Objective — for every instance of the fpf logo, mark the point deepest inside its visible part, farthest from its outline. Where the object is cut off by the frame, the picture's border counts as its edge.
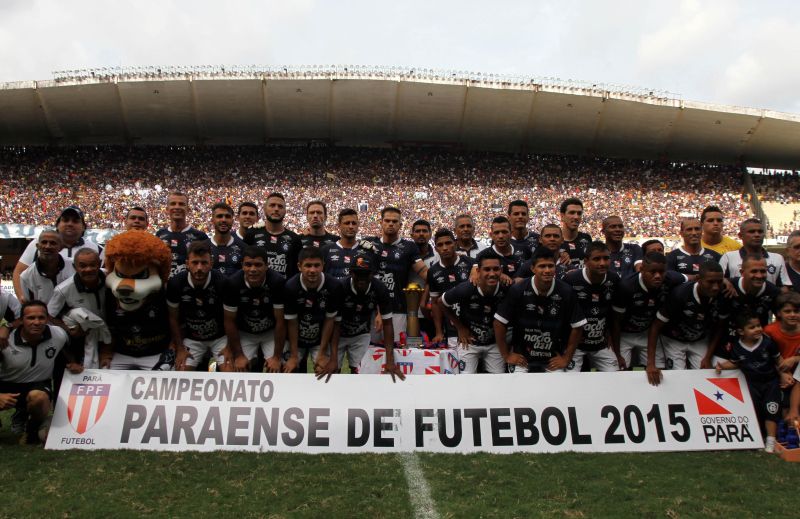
(86, 405)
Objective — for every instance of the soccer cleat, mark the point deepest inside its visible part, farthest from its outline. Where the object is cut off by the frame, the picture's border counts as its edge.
(769, 445)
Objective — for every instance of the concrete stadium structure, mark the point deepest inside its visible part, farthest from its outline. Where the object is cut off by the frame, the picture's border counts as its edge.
(387, 106)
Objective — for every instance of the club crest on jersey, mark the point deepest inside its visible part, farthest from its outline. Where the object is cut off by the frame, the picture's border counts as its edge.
(771, 269)
(86, 405)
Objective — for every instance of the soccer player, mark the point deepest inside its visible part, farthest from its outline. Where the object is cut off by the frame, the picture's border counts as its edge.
(364, 295)
(194, 298)
(687, 259)
(397, 258)
(312, 302)
(226, 247)
(246, 216)
(49, 268)
(179, 234)
(545, 317)
(502, 246)
(690, 324)
(575, 242)
(754, 295)
(521, 238)
(653, 246)
(317, 235)
(466, 245)
(471, 309)
(253, 303)
(594, 287)
(281, 244)
(712, 238)
(70, 226)
(136, 219)
(550, 238)
(340, 255)
(751, 231)
(793, 259)
(26, 368)
(635, 304)
(759, 359)
(449, 271)
(624, 257)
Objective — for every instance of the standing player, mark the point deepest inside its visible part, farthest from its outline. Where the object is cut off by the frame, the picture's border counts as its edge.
(624, 257)
(635, 304)
(751, 231)
(594, 287)
(281, 244)
(136, 219)
(466, 245)
(793, 259)
(687, 259)
(471, 309)
(226, 247)
(49, 268)
(521, 238)
(363, 296)
(247, 216)
(575, 242)
(690, 324)
(397, 259)
(653, 246)
(549, 238)
(312, 302)
(713, 239)
(545, 317)
(179, 234)
(340, 255)
(253, 308)
(194, 298)
(449, 271)
(502, 246)
(317, 235)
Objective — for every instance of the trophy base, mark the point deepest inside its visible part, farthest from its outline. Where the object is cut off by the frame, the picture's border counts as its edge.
(414, 342)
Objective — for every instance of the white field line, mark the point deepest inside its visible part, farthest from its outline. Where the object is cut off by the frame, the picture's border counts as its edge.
(418, 489)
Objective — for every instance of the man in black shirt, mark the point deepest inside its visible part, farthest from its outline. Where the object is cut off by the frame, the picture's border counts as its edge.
(594, 287)
(573, 249)
(545, 317)
(311, 305)
(502, 246)
(317, 235)
(179, 234)
(624, 257)
(281, 244)
(521, 237)
(687, 259)
(194, 298)
(449, 271)
(253, 307)
(549, 238)
(247, 216)
(471, 309)
(226, 247)
(340, 255)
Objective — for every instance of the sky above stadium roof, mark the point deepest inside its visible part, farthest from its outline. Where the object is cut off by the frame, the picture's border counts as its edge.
(728, 52)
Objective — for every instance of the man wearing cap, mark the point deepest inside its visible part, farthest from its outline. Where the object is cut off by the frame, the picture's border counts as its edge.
(71, 225)
(179, 234)
(363, 296)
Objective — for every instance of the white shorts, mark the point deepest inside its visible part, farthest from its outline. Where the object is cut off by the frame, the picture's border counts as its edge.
(198, 349)
(679, 353)
(120, 361)
(252, 342)
(602, 360)
(491, 358)
(633, 347)
(355, 347)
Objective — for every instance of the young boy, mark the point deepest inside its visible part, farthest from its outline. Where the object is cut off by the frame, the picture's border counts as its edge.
(785, 331)
(759, 359)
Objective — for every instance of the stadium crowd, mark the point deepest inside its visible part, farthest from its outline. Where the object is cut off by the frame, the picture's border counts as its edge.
(432, 184)
(783, 187)
(225, 283)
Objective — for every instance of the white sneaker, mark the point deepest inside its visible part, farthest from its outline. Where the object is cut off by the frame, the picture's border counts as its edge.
(769, 446)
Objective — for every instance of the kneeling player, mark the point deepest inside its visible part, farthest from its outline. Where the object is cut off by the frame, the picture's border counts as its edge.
(759, 358)
(471, 309)
(545, 318)
(253, 304)
(26, 368)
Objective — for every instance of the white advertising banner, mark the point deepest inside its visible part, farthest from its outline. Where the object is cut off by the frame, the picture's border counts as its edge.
(586, 412)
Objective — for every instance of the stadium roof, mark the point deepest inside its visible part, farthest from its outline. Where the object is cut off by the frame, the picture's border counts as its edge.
(382, 106)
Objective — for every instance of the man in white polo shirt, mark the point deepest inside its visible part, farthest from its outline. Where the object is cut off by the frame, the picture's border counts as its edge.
(49, 269)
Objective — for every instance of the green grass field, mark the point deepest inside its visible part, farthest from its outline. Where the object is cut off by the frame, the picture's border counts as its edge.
(39, 483)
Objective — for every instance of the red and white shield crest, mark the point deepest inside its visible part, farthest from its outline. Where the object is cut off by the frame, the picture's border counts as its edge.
(86, 405)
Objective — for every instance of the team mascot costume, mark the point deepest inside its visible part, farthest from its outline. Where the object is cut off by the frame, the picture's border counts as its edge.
(138, 266)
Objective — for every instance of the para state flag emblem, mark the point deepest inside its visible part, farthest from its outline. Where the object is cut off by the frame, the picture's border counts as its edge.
(86, 405)
(716, 397)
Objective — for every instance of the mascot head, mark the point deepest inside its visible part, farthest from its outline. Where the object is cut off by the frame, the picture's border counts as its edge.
(138, 265)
